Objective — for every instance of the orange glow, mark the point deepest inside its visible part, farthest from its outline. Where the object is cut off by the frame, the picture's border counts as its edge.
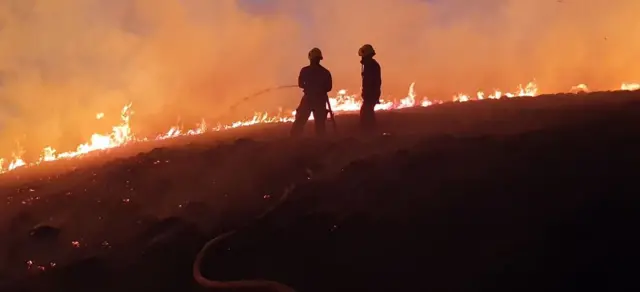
(342, 102)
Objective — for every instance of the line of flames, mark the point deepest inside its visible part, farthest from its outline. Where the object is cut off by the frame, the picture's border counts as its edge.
(342, 102)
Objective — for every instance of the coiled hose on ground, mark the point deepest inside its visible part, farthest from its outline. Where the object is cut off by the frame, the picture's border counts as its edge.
(240, 284)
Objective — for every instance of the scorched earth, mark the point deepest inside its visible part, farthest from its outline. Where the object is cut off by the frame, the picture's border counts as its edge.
(512, 194)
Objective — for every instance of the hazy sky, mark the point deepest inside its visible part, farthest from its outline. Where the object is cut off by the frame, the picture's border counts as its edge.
(62, 61)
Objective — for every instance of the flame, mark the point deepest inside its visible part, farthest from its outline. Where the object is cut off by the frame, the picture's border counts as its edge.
(580, 88)
(531, 89)
(341, 102)
(630, 86)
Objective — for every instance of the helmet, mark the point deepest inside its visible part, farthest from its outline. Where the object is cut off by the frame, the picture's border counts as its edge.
(315, 53)
(366, 50)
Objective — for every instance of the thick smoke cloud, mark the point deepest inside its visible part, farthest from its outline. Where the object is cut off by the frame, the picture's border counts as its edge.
(62, 61)
(467, 45)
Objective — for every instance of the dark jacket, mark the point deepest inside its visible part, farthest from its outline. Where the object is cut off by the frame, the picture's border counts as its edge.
(371, 79)
(315, 81)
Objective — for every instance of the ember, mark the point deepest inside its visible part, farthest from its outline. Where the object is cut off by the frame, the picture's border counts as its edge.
(342, 102)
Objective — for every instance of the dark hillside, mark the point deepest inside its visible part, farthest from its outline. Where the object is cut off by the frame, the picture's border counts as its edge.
(533, 194)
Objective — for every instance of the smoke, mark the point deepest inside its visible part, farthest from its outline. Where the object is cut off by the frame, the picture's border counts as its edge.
(63, 61)
(464, 45)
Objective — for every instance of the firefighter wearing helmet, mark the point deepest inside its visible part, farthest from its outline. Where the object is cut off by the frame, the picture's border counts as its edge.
(371, 87)
(316, 82)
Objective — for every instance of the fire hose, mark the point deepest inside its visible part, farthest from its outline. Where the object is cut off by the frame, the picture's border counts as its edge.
(261, 92)
(239, 284)
(245, 284)
(248, 97)
(333, 117)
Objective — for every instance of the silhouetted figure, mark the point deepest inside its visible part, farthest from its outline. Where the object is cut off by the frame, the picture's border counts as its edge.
(316, 82)
(371, 87)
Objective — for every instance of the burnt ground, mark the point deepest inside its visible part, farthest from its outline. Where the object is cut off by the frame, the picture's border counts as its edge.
(531, 194)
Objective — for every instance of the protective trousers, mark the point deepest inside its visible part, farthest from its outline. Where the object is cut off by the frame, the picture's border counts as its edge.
(311, 104)
(368, 115)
